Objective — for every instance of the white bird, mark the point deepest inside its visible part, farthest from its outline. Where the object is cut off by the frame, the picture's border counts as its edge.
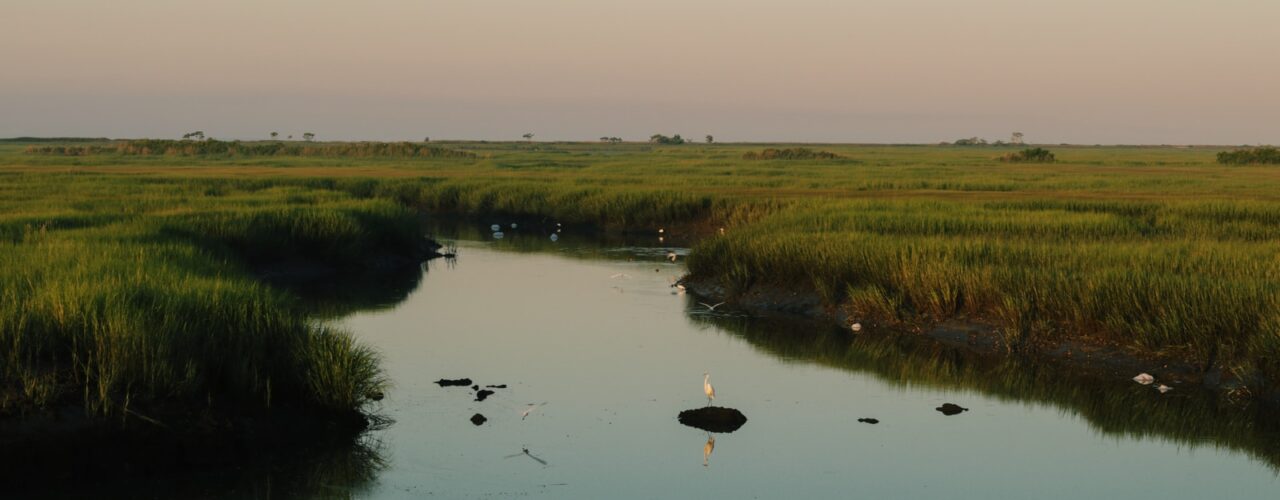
(712, 307)
(530, 409)
(554, 237)
(624, 276)
(1163, 388)
(671, 256)
(1144, 379)
(497, 235)
(857, 327)
(660, 230)
(495, 228)
(706, 387)
(513, 225)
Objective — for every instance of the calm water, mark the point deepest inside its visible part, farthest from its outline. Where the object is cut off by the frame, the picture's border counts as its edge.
(595, 332)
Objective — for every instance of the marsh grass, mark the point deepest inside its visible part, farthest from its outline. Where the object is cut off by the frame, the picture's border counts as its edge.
(1158, 249)
(123, 293)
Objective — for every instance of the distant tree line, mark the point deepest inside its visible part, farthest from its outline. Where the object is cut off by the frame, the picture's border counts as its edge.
(1263, 155)
(1015, 139)
(54, 139)
(610, 140)
(156, 147)
(790, 154)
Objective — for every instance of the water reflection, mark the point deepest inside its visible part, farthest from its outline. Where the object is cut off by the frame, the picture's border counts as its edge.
(1111, 405)
(707, 449)
(339, 468)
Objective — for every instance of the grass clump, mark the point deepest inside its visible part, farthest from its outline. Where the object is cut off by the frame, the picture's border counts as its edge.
(1264, 155)
(1030, 155)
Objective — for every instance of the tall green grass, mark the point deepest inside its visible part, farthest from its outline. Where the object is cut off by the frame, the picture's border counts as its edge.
(125, 294)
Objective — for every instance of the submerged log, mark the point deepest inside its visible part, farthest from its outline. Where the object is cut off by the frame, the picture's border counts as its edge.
(461, 382)
(713, 419)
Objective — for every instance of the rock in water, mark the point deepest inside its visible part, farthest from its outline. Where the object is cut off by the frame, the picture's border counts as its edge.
(498, 386)
(949, 409)
(478, 419)
(482, 394)
(461, 382)
(713, 419)
(871, 421)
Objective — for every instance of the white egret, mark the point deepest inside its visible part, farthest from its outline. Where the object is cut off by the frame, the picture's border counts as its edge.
(498, 235)
(1144, 379)
(671, 256)
(660, 230)
(1163, 388)
(856, 327)
(555, 237)
(712, 307)
(513, 225)
(706, 387)
(495, 228)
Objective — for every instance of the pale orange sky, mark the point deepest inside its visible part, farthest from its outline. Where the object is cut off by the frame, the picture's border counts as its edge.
(1084, 71)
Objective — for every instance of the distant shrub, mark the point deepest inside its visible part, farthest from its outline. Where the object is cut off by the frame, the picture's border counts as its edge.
(662, 139)
(1032, 155)
(790, 154)
(1264, 155)
(155, 147)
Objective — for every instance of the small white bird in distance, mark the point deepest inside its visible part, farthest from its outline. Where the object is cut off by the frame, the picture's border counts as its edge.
(624, 276)
(532, 406)
(857, 327)
(495, 228)
(554, 237)
(707, 388)
(712, 307)
(513, 225)
(1163, 388)
(498, 235)
(660, 230)
(1144, 379)
(671, 256)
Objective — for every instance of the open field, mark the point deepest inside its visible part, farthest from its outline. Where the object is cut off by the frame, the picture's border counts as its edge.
(121, 272)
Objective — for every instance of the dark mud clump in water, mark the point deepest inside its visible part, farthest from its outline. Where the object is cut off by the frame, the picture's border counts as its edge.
(713, 419)
(950, 409)
(499, 386)
(871, 421)
(461, 382)
(483, 394)
(478, 419)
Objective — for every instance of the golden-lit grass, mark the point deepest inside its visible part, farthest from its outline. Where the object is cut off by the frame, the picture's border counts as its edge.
(1155, 248)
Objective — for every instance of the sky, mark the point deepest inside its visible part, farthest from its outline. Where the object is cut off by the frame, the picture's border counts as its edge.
(1079, 71)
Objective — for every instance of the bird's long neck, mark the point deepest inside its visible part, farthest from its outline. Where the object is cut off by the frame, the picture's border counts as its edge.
(706, 378)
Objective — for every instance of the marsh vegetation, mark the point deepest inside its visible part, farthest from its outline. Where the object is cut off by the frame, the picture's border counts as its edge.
(127, 277)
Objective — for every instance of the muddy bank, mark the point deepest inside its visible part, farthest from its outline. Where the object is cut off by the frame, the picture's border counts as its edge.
(986, 339)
